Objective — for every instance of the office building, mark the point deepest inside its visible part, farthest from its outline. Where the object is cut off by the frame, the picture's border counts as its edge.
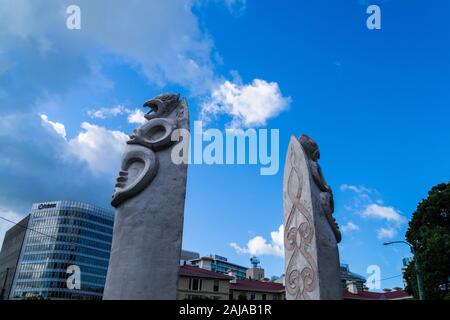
(196, 284)
(351, 278)
(187, 256)
(9, 256)
(62, 238)
(248, 289)
(219, 264)
(200, 284)
(255, 272)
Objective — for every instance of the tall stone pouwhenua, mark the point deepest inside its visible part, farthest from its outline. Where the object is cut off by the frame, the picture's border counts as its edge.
(149, 199)
(311, 234)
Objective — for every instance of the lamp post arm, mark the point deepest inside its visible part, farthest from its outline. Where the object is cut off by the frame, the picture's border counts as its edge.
(416, 266)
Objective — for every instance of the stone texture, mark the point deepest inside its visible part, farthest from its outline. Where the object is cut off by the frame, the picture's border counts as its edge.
(311, 234)
(149, 199)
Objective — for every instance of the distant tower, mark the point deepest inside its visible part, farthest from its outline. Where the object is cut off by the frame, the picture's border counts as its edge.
(255, 262)
(255, 272)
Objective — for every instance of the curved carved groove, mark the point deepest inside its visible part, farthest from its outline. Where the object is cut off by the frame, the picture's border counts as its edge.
(125, 188)
(298, 238)
(293, 279)
(149, 135)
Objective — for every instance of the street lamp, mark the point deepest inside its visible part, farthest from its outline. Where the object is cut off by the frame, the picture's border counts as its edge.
(416, 263)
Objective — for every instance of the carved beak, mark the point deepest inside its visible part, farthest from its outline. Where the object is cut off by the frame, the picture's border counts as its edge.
(154, 105)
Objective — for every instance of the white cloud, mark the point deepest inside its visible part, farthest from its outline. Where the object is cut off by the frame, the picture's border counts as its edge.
(386, 233)
(104, 113)
(248, 105)
(166, 52)
(260, 246)
(100, 148)
(238, 248)
(162, 39)
(236, 6)
(35, 166)
(349, 226)
(137, 116)
(146, 39)
(360, 189)
(384, 213)
(58, 127)
(368, 204)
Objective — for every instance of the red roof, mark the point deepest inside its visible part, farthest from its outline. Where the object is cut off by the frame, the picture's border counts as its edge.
(254, 285)
(191, 271)
(366, 295)
(262, 286)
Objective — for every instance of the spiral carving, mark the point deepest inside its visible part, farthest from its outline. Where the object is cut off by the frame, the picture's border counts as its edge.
(298, 237)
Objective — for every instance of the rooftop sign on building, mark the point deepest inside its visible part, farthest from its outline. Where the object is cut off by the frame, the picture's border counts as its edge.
(46, 206)
(217, 257)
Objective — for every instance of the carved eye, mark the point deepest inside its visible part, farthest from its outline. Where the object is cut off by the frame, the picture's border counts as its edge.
(156, 133)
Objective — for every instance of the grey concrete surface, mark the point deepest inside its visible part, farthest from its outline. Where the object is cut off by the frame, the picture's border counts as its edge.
(149, 199)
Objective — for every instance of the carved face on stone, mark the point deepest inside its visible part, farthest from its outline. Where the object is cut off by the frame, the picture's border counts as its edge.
(310, 146)
(140, 163)
(161, 105)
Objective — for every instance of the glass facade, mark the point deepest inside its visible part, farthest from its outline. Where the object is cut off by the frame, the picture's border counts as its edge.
(223, 267)
(62, 234)
(220, 264)
(347, 275)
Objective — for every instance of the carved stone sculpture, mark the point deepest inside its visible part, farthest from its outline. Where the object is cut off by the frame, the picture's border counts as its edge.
(149, 199)
(310, 232)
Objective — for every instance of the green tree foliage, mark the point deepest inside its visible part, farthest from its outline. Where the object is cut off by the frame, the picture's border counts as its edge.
(429, 234)
(411, 280)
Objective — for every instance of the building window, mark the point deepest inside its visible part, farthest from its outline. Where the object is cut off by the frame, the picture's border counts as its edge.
(252, 296)
(242, 296)
(196, 285)
(264, 296)
(216, 286)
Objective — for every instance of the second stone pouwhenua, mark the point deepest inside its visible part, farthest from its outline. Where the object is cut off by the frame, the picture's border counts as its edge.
(312, 269)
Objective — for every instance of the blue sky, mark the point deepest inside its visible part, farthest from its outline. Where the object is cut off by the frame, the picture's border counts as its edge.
(376, 101)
